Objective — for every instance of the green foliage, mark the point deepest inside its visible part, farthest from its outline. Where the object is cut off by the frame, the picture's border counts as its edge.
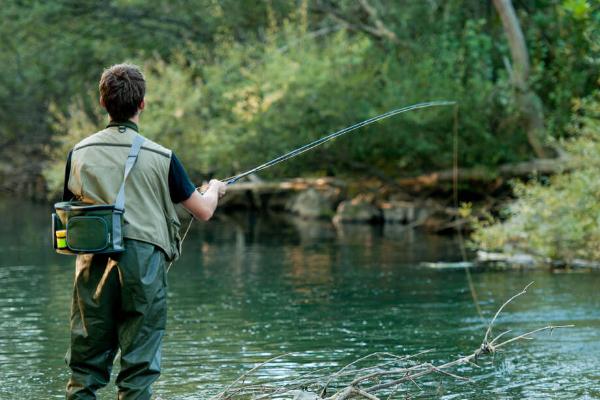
(557, 218)
(564, 45)
(233, 83)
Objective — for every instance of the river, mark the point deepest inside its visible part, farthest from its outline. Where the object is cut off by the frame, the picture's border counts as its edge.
(252, 286)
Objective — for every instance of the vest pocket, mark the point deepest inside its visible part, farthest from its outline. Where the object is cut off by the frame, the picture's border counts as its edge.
(87, 234)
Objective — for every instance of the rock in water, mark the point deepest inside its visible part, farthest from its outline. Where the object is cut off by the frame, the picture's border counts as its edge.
(357, 210)
(313, 203)
(449, 265)
(403, 212)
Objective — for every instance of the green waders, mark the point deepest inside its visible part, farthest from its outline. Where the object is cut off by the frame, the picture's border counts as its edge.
(118, 303)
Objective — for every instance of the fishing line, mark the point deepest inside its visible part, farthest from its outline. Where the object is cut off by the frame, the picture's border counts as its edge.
(309, 146)
(461, 240)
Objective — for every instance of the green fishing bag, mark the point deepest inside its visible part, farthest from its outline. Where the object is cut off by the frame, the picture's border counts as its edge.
(83, 228)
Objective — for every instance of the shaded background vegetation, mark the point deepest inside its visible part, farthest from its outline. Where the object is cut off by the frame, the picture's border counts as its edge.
(232, 83)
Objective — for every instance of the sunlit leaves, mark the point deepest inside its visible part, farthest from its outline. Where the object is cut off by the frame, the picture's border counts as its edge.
(557, 219)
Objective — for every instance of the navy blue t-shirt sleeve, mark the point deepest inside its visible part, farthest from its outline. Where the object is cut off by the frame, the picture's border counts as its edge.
(67, 195)
(180, 185)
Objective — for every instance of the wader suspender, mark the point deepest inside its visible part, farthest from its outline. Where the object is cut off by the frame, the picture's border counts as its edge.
(120, 200)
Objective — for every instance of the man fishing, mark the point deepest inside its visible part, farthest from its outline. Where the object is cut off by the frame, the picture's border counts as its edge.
(119, 301)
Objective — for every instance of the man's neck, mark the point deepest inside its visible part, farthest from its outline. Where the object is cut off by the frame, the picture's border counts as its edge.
(129, 124)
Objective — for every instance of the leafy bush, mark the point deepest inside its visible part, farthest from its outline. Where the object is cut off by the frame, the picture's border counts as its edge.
(558, 218)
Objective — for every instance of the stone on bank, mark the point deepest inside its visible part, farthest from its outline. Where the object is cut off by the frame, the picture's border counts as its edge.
(359, 209)
(314, 203)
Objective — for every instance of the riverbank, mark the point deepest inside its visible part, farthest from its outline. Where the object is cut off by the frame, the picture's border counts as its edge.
(412, 203)
(377, 203)
(370, 201)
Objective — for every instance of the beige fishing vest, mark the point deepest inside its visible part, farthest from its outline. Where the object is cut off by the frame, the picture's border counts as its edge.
(97, 165)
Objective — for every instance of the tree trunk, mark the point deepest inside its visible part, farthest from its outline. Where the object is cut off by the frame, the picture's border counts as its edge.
(528, 102)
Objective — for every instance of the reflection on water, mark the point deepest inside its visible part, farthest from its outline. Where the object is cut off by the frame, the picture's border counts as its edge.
(251, 287)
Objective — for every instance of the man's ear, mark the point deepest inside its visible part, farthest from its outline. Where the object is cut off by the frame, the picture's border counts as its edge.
(102, 102)
(142, 105)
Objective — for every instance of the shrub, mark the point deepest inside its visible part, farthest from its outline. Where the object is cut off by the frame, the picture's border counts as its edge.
(558, 218)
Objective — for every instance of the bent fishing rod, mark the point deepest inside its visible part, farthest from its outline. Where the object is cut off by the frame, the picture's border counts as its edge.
(331, 136)
(309, 146)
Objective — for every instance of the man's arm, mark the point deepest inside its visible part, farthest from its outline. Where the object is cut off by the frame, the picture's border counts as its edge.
(182, 190)
(202, 206)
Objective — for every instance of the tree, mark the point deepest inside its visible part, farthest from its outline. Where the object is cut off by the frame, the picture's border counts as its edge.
(530, 105)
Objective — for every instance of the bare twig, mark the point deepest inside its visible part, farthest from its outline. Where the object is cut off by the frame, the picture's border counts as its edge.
(528, 334)
(243, 376)
(489, 329)
(378, 367)
(387, 374)
(499, 336)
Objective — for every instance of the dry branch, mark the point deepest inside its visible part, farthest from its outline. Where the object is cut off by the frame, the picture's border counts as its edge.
(388, 373)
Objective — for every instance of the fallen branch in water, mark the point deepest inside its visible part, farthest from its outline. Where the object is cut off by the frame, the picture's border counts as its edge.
(383, 378)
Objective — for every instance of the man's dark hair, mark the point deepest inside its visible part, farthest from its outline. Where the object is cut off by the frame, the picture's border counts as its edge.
(122, 89)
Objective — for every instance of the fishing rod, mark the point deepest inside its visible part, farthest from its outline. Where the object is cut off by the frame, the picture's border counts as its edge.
(331, 136)
(309, 146)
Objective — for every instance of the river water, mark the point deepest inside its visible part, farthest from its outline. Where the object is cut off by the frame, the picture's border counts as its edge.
(250, 287)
